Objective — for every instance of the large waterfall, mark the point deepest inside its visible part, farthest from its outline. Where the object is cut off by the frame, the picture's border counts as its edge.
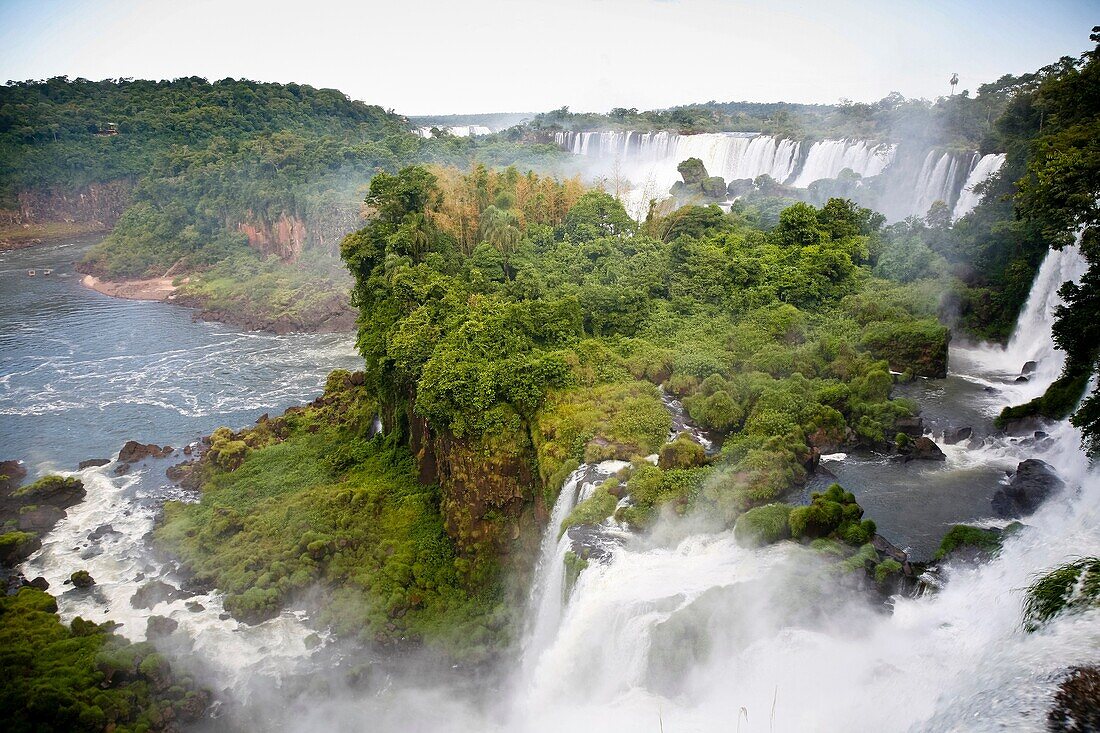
(644, 164)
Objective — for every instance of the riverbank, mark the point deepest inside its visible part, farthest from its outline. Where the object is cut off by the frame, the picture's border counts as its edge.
(155, 288)
(20, 236)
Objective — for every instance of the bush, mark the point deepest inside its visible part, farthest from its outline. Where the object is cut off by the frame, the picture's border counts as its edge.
(683, 452)
(961, 535)
(1069, 588)
(763, 525)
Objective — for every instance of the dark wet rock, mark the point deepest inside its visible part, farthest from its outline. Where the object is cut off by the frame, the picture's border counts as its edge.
(1076, 706)
(17, 548)
(39, 519)
(224, 616)
(911, 426)
(951, 436)
(102, 532)
(1032, 484)
(160, 626)
(40, 583)
(591, 542)
(1021, 379)
(82, 579)
(93, 463)
(134, 451)
(921, 449)
(1019, 427)
(122, 469)
(154, 592)
(195, 606)
(1029, 367)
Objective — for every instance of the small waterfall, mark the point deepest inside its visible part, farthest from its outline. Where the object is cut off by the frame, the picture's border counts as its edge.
(985, 167)
(1031, 340)
(828, 158)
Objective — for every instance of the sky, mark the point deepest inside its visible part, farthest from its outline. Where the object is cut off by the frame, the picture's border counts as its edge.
(441, 57)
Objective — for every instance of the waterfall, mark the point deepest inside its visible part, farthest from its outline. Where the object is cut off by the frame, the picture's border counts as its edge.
(986, 166)
(1031, 340)
(828, 158)
(935, 182)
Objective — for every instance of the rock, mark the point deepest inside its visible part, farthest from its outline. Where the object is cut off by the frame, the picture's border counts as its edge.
(13, 553)
(1076, 707)
(11, 473)
(1021, 379)
(923, 449)
(693, 172)
(134, 451)
(160, 626)
(1029, 367)
(714, 187)
(911, 426)
(39, 519)
(82, 579)
(154, 592)
(1019, 427)
(1032, 484)
(195, 606)
(739, 187)
(93, 463)
(40, 583)
(951, 436)
(103, 531)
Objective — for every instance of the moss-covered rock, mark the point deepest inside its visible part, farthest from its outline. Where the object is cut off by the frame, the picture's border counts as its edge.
(918, 346)
(684, 452)
(82, 579)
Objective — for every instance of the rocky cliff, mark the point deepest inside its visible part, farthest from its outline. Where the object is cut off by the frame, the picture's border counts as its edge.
(99, 203)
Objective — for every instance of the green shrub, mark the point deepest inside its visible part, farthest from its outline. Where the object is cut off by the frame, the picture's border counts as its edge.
(592, 510)
(763, 525)
(1069, 588)
(961, 535)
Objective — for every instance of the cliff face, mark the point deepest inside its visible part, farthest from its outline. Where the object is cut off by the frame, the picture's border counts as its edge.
(291, 233)
(101, 203)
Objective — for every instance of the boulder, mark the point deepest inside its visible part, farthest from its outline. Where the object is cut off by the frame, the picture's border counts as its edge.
(911, 426)
(82, 579)
(160, 626)
(39, 583)
(103, 531)
(1032, 484)
(1021, 379)
(951, 436)
(1029, 367)
(1076, 707)
(922, 449)
(1019, 427)
(714, 187)
(154, 592)
(739, 187)
(93, 463)
(134, 451)
(11, 474)
(39, 518)
(693, 172)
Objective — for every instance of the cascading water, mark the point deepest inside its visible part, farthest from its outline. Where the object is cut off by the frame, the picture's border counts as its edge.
(986, 166)
(936, 182)
(828, 158)
(1030, 340)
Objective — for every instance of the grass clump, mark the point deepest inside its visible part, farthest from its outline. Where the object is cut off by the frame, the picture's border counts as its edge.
(1069, 588)
(962, 535)
(594, 509)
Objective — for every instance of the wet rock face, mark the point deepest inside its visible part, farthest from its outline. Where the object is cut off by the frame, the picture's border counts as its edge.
(1032, 484)
(951, 436)
(911, 426)
(93, 463)
(134, 451)
(922, 449)
(1076, 707)
(154, 592)
(160, 626)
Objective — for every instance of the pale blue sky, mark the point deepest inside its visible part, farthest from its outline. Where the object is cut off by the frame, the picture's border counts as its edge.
(426, 56)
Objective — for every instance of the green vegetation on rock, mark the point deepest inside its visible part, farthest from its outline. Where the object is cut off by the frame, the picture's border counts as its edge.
(82, 677)
(1069, 588)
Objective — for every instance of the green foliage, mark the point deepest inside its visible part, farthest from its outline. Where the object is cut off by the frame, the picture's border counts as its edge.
(594, 509)
(49, 485)
(885, 569)
(683, 452)
(1057, 403)
(962, 535)
(83, 677)
(833, 513)
(316, 506)
(763, 525)
(1070, 588)
(916, 346)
